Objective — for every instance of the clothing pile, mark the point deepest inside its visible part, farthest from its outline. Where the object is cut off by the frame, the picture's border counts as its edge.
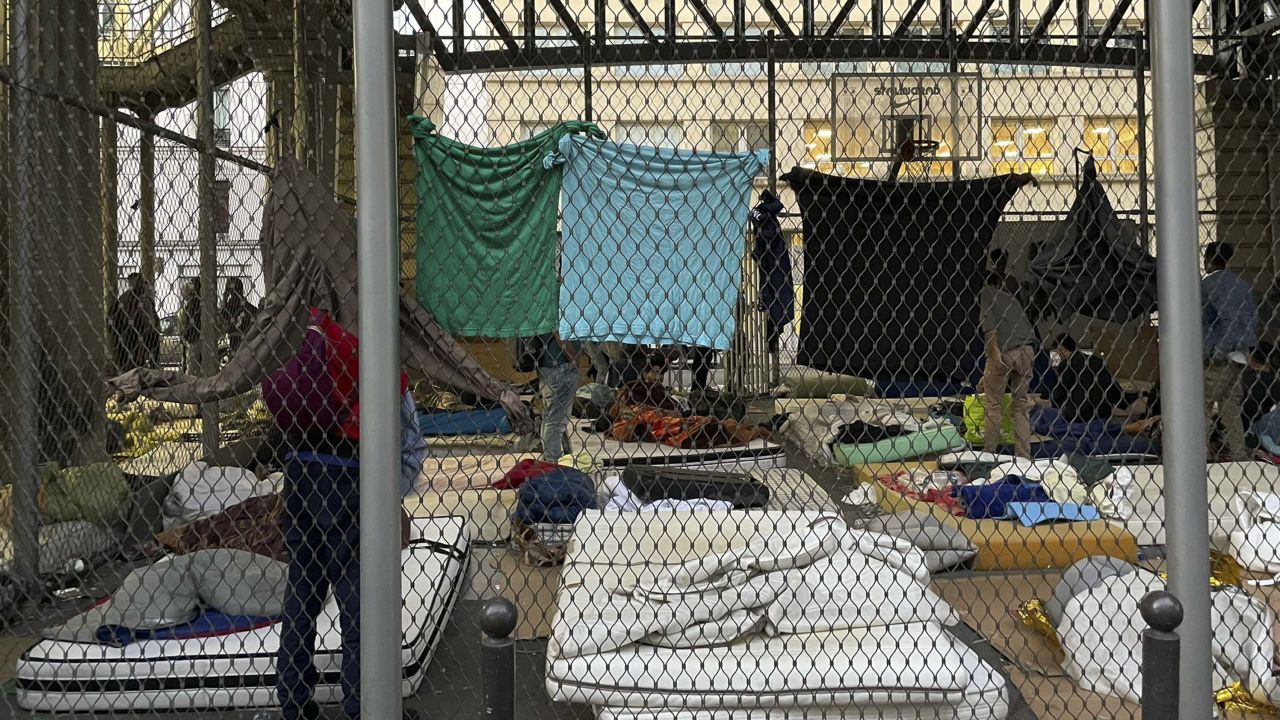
(202, 490)
(984, 486)
(800, 612)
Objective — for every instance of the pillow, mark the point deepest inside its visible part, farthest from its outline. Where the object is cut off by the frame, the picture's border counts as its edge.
(238, 582)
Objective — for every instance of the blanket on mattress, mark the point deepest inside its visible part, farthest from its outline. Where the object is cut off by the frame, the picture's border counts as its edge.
(760, 615)
(903, 447)
(175, 591)
(482, 421)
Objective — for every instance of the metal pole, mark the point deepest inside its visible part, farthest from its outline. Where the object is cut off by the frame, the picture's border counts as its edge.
(147, 207)
(377, 189)
(26, 514)
(587, 113)
(772, 72)
(1163, 614)
(109, 198)
(207, 353)
(498, 620)
(1181, 369)
(1144, 175)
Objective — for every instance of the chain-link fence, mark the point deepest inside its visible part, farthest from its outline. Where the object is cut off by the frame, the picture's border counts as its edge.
(770, 359)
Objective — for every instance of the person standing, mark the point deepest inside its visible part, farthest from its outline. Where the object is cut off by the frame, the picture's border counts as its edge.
(1011, 350)
(237, 313)
(135, 327)
(1230, 318)
(315, 402)
(558, 380)
(189, 326)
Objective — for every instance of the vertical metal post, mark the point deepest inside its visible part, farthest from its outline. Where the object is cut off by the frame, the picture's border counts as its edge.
(459, 27)
(377, 190)
(1181, 368)
(147, 205)
(498, 620)
(587, 113)
(1144, 174)
(530, 26)
(771, 69)
(26, 514)
(109, 197)
(775, 363)
(877, 19)
(1082, 23)
(808, 21)
(1163, 614)
(207, 352)
(739, 18)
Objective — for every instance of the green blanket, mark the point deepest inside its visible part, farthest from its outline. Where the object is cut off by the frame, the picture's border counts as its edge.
(96, 493)
(486, 232)
(903, 447)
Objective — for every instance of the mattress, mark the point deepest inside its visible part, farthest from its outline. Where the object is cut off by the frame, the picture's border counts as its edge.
(903, 447)
(607, 452)
(903, 664)
(986, 697)
(1223, 482)
(916, 663)
(237, 669)
(482, 421)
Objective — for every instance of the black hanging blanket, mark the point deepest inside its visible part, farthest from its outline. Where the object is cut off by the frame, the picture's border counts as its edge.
(892, 273)
(1094, 265)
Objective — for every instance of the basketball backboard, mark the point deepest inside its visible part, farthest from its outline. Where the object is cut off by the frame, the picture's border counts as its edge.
(872, 113)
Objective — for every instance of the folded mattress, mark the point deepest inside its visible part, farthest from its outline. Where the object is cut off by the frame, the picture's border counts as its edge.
(235, 667)
(986, 697)
(893, 663)
(903, 447)
(915, 663)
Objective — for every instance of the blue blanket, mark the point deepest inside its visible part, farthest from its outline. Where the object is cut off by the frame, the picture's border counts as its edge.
(990, 501)
(205, 624)
(558, 496)
(1097, 437)
(652, 242)
(437, 423)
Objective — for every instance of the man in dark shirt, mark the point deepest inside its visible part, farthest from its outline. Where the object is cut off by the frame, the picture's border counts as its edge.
(1085, 389)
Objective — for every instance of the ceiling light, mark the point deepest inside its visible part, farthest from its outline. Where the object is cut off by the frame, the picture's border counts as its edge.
(1102, 131)
(824, 133)
(1033, 131)
(1003, 143)
(811, 145)
(824, 157)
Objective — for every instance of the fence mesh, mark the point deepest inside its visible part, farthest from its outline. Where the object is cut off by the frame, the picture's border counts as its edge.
(772, 359)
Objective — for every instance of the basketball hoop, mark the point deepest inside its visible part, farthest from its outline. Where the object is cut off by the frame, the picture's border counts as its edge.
(918, 148)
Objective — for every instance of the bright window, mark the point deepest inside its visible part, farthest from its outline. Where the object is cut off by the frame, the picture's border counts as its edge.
(1023, 146)
(1114, 144)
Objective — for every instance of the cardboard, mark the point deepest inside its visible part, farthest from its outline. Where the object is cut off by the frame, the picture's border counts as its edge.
(533, 590)
(989, 604)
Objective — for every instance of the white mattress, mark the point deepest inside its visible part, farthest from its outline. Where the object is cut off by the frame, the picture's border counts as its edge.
(897, 664)
(237, 670)
(986, 698)
(607, 452)
(916, 664)
(1223, 480)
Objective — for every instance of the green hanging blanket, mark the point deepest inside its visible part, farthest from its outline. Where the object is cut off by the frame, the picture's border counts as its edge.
(486, 228)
